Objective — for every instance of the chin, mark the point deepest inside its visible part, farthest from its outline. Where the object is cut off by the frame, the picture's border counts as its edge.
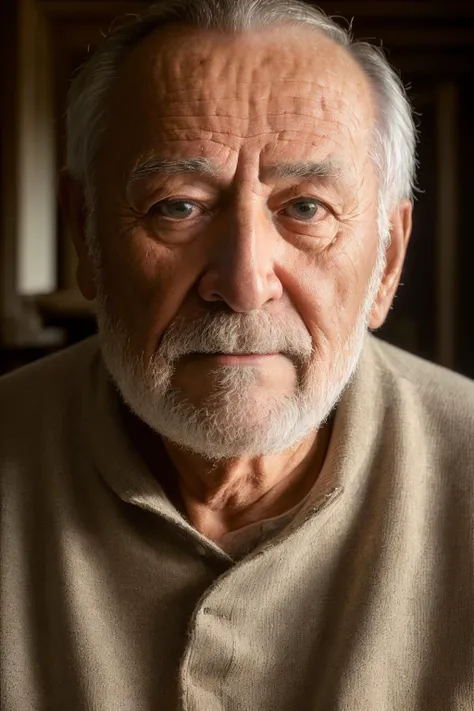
(240, 412)
(237, 391)
(230, 422)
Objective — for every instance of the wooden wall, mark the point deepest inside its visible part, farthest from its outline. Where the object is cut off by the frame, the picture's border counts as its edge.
(431, 42)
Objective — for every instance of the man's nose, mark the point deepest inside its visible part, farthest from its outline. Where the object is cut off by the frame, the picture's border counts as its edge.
(242, 259)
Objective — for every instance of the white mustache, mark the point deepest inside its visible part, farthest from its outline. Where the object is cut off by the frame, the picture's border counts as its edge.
(236, 334)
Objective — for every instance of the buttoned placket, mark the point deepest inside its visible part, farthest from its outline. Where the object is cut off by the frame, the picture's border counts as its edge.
(210, 612)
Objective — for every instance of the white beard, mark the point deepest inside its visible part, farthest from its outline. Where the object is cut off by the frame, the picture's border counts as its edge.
(237, 418)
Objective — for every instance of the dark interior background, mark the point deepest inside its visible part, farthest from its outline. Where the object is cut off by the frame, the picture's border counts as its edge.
(430, 42)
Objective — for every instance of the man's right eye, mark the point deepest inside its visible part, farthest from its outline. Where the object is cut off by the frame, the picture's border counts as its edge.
(174, 209)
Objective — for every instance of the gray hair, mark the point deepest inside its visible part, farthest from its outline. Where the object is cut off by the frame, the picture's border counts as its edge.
(393, 146)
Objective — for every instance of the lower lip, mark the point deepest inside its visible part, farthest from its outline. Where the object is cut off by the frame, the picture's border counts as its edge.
(237, 359)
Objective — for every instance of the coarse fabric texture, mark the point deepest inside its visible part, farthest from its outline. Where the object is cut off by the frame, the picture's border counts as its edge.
(111, 601)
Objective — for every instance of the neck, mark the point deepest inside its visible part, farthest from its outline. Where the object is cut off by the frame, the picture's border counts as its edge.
(218, 497)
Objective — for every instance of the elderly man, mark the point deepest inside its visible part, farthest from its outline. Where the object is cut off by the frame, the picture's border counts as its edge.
(235, 498)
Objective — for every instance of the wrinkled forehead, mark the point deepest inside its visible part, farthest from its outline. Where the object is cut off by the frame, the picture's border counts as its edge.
(281, 82)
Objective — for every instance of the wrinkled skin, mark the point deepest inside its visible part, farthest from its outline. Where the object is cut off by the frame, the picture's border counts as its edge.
(243, 102)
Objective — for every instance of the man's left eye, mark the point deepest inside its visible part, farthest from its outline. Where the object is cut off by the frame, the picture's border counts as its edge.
(303, 209)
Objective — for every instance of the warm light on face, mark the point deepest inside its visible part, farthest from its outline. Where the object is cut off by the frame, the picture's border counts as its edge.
(239, 216)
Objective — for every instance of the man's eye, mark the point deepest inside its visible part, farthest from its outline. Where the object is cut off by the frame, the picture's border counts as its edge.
(174, 209)
(303, 209)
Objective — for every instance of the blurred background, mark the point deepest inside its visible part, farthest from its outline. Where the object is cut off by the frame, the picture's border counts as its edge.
(42, 42)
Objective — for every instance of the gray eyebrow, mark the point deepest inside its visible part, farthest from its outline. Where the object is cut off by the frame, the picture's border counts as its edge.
(328, 168)
(309, 169)
(166, 166)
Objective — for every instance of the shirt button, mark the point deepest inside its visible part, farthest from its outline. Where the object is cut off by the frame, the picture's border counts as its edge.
(201, 549)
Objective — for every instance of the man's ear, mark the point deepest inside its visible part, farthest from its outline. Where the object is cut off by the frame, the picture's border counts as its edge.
(72, 200)
(400, 230)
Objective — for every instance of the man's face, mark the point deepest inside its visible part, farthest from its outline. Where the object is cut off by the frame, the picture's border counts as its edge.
(236, 212)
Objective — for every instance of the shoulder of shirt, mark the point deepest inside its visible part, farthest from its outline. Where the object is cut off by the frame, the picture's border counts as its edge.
(51, 374)
(432, 386)
(42, 401)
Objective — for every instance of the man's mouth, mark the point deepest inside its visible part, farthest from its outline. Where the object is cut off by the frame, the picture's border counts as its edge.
(235, 358)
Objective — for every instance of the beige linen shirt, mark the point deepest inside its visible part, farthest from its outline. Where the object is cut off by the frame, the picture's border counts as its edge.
(111, 601)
